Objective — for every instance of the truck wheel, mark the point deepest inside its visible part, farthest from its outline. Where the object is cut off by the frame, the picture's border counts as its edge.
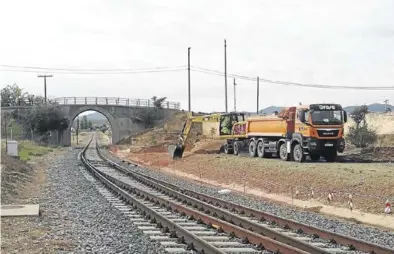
(227, 149)
(283, 152)
(330, 156)
(315, 157)
(298, 153)
(252, 149)
(260, 149)
(236, 146)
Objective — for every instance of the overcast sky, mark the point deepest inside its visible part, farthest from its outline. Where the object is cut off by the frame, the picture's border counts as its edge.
(310, 41)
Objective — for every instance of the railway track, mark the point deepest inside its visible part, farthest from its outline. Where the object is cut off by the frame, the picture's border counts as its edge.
(188, 221)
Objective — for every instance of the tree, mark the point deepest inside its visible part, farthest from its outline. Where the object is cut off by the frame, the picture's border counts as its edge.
(13, 96)
(359, 113)
(34, 99)
(42, 118)
(360, 134)
(90, 125)
(157, 102)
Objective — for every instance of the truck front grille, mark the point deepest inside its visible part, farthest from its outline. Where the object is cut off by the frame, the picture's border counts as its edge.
(328, 132)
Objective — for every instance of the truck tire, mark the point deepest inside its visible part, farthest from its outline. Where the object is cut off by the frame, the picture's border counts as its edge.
(283, 152)
(260, 149)
(237, 147)
(314, 157)
(298, 153)
(330, 156)
(252, 148)
(228, 150)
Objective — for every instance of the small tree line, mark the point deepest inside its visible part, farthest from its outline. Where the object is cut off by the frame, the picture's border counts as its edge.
(13, 95)
(42, 118)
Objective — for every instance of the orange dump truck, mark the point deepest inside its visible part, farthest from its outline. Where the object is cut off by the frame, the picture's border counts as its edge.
(315, 130)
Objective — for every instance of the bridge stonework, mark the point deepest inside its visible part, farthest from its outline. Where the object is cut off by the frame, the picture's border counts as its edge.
(119, 112)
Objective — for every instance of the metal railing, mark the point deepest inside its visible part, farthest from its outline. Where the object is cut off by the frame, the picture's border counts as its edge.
(115, 102)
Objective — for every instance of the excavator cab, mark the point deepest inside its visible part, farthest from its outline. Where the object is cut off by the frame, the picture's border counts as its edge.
(228, 120)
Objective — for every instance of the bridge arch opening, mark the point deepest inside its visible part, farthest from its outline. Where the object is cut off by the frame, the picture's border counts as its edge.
(86, 120)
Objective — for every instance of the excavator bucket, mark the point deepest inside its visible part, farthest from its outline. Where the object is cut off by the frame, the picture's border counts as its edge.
(175, 151)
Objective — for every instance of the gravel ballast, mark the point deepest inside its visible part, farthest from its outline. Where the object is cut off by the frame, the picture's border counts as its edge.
(76, 218)
(359, 231)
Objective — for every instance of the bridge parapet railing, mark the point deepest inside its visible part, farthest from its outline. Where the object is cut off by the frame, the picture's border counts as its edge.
(115, 101)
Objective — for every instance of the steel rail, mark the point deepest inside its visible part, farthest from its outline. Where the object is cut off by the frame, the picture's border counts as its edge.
(252, 237)
(225, 219)
(208, 200)
(110, 182)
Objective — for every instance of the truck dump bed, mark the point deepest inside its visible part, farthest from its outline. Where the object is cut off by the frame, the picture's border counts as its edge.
(266, 126)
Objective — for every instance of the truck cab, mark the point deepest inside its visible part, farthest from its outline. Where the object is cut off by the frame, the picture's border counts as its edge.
(321, 127)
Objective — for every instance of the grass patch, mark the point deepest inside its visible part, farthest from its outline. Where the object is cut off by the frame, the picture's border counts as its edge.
(29, 149)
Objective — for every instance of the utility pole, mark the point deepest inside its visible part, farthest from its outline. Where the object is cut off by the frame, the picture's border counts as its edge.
(188, 73)
(45, 84)
(235, 97)
(225, 73)
(258, 94)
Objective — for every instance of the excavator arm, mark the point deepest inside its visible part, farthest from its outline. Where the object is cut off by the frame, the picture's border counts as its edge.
(177, 150)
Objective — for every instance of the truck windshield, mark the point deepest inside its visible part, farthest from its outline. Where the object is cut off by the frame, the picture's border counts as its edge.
(326, 117)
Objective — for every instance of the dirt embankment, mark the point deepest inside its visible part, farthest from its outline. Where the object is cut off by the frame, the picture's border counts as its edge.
(369, 183)
(15, 174)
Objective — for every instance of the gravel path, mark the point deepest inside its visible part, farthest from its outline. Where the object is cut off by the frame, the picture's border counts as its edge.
(367, 233)
(76, 217)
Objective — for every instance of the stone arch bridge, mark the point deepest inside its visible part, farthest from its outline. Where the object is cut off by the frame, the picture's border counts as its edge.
(120, 113)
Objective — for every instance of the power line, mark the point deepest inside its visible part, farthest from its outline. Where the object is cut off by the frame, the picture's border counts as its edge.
(89, 70)
(209, 71)
(96, 73)
(218, 73)
(176, 69)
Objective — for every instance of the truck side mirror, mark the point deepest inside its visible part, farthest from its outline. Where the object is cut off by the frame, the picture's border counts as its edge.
(344, 116)
(301, 116)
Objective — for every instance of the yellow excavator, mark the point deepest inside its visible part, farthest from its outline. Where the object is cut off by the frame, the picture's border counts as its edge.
(216, 125)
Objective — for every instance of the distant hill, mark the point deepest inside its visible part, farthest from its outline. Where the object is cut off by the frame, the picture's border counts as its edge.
(375, 107)
(95, 118)
(270, 110)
